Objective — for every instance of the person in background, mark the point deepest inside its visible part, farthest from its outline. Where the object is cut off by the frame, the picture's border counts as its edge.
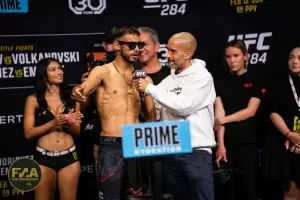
(90, 126)
(107, 44)
(149, 55)
(150, 61)
(282, 162)
(238, 98)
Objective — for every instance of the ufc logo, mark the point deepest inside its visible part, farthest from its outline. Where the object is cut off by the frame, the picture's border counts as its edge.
(80, 7)
(252, 39)
(141, 73)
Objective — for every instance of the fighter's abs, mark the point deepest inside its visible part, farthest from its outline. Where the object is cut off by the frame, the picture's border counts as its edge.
(117, 111)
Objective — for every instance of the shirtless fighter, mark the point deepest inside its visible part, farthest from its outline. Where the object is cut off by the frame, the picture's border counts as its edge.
(118, 103)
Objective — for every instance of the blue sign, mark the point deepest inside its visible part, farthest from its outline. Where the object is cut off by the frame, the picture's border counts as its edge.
(14, 6)
(156, 138)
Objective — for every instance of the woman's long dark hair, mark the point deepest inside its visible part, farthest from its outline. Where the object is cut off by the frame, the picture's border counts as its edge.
(41, 79)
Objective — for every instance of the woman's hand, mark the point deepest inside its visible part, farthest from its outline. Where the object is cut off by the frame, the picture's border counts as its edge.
(295, 149)
(60, 118)
(221, 154)
(74, 117)
(294, 138)
(218, 123)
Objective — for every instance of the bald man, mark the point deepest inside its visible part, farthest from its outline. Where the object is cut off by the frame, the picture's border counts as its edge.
(187, 94)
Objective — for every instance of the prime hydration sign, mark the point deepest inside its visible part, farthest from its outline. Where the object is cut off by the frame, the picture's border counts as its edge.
(13, 6)
(156, 138)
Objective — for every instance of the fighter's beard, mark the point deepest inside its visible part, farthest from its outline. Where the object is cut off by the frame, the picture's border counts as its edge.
(128, 60)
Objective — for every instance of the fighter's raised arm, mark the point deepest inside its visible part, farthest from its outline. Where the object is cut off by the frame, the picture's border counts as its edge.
(94, 79)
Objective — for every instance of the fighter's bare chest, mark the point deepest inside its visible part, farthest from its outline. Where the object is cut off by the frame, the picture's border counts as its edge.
(128, 101)
(120, 86)
(123, 94)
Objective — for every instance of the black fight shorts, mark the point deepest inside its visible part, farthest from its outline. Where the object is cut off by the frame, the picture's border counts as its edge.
(56, 159)
(118, 177)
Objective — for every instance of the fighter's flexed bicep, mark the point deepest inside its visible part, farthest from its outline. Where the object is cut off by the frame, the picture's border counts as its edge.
(149, 104)
(94, 79)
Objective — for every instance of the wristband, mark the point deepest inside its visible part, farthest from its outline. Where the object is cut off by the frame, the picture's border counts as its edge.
(287, 133)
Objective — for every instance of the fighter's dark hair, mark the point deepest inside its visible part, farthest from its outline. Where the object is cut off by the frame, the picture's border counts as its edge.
(118, 32)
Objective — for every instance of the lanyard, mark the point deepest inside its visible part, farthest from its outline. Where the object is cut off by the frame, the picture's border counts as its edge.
(294, 91)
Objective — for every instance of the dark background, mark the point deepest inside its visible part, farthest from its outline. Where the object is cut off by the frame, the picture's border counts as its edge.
(51, 26)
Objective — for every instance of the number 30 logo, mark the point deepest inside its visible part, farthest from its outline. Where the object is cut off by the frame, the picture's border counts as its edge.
(86, 7)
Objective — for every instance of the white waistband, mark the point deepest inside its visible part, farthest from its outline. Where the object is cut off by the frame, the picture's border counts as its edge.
(205, 149)
(55, 153)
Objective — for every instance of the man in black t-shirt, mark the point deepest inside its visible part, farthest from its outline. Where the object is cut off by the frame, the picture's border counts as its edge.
(150, 62)
(149, 59)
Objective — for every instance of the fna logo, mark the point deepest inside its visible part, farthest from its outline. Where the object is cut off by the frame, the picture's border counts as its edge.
(87, 7)
(24, 174)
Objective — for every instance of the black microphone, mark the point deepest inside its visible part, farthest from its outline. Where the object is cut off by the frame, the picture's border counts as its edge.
(137, 65)
(139, 74)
